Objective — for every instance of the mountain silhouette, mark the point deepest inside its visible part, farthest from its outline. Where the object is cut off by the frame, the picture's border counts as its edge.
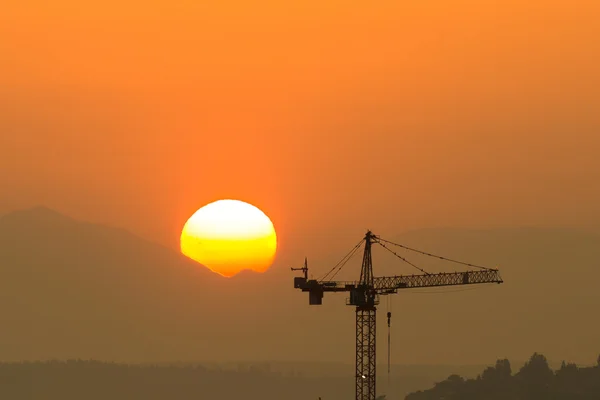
(72, 289)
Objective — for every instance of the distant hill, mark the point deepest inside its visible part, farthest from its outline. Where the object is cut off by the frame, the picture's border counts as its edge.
(77, 379)
(91, 380)
(72, 289)
(75, 289)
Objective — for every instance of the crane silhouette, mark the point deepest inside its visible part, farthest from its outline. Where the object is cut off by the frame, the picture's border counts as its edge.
(364, 295)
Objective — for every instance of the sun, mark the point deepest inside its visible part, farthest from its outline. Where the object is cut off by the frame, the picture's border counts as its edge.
(229, 236)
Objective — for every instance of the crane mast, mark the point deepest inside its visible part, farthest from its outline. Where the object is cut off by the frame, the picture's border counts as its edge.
(365, 300)
(364, 296)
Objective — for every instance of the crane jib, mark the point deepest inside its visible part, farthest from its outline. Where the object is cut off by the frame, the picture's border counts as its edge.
(389, 284)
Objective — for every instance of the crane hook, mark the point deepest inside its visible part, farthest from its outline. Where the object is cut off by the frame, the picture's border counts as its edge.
(389, 324)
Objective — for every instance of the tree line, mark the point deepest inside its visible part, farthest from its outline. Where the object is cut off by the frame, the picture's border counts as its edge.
(534, 381)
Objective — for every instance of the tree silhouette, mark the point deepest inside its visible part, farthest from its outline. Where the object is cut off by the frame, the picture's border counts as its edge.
(500, 372)
(534, 381)
(536, 369)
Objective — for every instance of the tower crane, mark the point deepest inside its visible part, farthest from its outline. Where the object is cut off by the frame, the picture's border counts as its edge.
(364, 295)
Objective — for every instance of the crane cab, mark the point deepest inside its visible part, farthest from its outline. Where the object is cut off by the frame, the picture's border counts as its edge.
(362, 297)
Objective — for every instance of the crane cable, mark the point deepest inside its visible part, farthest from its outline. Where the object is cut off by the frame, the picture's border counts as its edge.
(433, 255)
(348, 259)
(402, 258)
(337, 268)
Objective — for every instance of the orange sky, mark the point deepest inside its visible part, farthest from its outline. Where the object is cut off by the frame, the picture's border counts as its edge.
(331, 118)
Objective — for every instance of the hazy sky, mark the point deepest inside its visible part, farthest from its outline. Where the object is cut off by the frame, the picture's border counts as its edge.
(331, 118)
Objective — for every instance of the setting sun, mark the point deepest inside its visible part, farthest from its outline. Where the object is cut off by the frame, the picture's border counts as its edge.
(229, 236)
